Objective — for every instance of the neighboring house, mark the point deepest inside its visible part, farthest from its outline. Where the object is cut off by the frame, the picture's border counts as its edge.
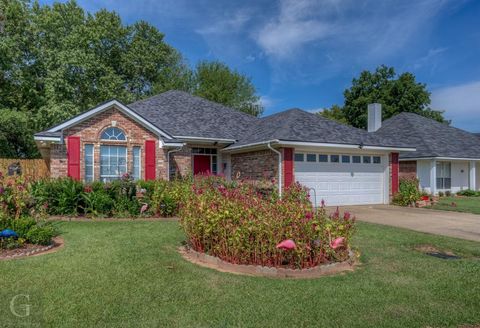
(446, 159)
(175, 133)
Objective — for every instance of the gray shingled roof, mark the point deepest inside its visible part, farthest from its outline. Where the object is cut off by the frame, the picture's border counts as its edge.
(431, 138)
(49, 134)
(299, 125)
(181, 114)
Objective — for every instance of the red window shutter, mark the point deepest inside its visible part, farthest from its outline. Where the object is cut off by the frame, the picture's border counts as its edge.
(73, 157)
(150, 165)
(287, 167)
(395, 167)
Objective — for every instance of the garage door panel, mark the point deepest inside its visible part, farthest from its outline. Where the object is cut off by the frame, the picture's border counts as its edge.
(342, 184)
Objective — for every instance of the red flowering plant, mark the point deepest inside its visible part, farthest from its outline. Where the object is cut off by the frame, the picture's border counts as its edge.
(236, 223)
(15, 196)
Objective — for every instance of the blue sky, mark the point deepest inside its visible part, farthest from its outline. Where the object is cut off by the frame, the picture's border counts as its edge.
(304, 53)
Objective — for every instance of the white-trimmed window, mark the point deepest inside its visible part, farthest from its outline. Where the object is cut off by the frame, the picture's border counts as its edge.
(322, 158)
(356, 159)
(89, 162)
(345, 159)
(137, 160)
(444, 175)
(377, 160)
(367, 159)
(335, 158)
(311, 157)
(113, 162)
(299, 157)
(113, 133)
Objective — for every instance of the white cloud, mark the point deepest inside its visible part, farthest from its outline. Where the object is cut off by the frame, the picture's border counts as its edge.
(267, 101)
(461, 104)
(233, 23)
(429, 58)
(359, 31)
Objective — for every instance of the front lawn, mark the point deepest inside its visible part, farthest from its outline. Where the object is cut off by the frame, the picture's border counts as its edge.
(463, 204)
(129, 274)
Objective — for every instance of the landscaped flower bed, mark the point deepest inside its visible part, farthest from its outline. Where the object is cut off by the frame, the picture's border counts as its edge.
(238, 225)
(21, 226)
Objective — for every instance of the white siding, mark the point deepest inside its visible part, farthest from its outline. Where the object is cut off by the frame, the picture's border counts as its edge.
(423, 174)
(478, 176)
(459, 176)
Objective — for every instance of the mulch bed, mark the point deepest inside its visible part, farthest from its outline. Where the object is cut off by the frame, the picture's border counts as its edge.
(31, 250)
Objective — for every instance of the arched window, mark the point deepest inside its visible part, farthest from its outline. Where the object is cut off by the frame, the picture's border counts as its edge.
(113, 133)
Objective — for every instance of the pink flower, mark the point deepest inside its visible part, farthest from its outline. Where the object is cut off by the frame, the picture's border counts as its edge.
(144, 208)
(287, 244)
(338, 242)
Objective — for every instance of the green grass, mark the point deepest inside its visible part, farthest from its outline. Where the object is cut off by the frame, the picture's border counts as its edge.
(129, 274)
(464, 204)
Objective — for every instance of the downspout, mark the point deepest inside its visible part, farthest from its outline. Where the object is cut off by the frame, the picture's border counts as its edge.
(279, 168)
(168, 160)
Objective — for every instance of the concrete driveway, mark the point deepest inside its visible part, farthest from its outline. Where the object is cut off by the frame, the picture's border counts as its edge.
(446, 223)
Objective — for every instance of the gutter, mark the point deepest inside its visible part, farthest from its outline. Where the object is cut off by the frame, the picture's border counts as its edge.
(269, 145)
(317, 144)
(168, 159)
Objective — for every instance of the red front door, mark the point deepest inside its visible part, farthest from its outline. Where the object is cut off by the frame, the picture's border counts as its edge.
(201, 164)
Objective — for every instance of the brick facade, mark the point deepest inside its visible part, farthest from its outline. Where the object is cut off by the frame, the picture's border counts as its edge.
(181, 162)
(89, 132)
(408, 169)
(255, 165)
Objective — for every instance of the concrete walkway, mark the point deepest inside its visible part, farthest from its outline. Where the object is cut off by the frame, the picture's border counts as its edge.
(446, 223)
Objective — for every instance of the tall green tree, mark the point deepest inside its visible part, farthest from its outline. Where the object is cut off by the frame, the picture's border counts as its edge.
(217, 82)
(56, 61)
(396, 93)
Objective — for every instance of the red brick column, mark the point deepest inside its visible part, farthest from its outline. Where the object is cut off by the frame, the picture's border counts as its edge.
(287, 167)
(394, 169)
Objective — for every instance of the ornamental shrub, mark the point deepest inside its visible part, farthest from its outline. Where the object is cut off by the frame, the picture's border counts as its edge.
(408, 192)
(236, 223)
(15, 196)
(468, 193)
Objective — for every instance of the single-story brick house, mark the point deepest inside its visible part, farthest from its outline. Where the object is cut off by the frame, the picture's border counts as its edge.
(446, 158)
(175, 133)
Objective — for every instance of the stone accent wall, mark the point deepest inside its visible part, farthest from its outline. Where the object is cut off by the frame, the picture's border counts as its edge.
(89, 132)
(255, 165)
(408, 169)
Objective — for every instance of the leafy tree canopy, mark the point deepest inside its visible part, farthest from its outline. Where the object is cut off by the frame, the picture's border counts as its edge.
(58, 60)
(217, 82)
(396, 93)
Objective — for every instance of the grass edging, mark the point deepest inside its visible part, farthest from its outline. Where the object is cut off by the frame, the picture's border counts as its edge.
(215, 263)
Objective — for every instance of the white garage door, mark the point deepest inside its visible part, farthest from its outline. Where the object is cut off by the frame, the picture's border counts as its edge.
(341, 179)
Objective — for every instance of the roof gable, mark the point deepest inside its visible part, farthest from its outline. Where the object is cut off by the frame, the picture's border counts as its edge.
(184, 115)
(103, 107)
(432, 138)
(298, 125)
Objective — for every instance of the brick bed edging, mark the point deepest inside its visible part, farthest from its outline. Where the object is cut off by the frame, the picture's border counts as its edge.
(57, 243)
(213, 262)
